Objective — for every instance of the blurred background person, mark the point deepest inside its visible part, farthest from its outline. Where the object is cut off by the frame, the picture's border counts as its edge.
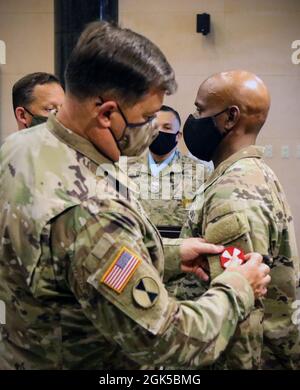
(34, 97)
(165, 177)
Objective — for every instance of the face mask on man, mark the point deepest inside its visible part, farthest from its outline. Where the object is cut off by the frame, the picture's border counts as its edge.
(36, 119)
(202, 136)
(136, 137)
(164, 143)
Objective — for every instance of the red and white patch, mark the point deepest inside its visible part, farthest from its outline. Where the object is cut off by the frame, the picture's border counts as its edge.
(232, 256)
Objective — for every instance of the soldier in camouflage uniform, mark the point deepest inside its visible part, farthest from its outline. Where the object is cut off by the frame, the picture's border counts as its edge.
(34, 96)
(243, 205)
(80, 263)
(167, 180)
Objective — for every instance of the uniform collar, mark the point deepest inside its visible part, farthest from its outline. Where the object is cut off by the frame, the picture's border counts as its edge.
(86, 148)
(75, 141)
(168, 166)
(251, 151)
(157, 168)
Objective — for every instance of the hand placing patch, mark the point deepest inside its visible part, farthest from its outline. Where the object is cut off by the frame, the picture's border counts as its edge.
(121, 270)
(232, 256)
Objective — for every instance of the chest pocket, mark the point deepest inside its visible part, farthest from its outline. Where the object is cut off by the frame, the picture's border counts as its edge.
(233, 229)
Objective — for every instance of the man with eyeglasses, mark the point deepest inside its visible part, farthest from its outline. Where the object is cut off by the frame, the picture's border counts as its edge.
(34, 97)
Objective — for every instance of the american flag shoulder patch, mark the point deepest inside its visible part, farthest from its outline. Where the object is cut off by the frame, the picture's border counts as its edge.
(121, 270)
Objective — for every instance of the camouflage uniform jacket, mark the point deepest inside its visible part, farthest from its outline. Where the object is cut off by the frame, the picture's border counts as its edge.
(243, 205)
(81, 267)
(166, 197)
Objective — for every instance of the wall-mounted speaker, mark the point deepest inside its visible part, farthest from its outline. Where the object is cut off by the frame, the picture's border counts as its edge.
(203, 23)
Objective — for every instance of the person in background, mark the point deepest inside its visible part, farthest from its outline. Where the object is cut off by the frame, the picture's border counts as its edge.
(167, 179)
(34, 96)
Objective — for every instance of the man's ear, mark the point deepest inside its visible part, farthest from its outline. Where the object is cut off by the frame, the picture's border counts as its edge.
(178, 136)
(104, 112)
(20, 114)
(233, 117)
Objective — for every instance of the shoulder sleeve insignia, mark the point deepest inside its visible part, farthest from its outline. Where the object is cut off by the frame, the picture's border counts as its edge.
(145, 292)
(232, 256)
(121, 270)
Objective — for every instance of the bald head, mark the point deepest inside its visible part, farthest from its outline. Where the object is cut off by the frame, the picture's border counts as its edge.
(236, 88)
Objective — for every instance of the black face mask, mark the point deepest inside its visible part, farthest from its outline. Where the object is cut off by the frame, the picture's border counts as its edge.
(164, 143)
(202, 136)
(36, 119)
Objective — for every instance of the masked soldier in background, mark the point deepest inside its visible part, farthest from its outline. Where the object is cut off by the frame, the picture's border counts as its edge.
(166, 179)
(34, 96)
(81, 265)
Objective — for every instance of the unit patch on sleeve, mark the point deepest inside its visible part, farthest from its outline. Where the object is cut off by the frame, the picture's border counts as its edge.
(232, 256)
(146, 292)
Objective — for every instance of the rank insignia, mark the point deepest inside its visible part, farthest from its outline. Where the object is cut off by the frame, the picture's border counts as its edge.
(121, 270)
(145, 292)
(232, 256)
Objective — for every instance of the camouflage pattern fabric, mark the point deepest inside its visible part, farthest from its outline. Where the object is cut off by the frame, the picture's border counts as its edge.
(167, 199)
(243, 205)
(69, 227)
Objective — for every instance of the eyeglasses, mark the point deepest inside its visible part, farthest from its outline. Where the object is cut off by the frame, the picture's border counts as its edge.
(49, 110)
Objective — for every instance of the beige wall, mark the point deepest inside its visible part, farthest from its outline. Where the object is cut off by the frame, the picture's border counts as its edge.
(27, 28)
(251, 34)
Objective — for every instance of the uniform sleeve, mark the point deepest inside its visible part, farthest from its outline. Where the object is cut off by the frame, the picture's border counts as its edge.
(172, 258)
(268, 336)
(231, 226)
(238, 226)
(129, 305)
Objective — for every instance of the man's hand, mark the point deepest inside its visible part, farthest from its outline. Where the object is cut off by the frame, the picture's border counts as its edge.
(255, 271)
(193, 252)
